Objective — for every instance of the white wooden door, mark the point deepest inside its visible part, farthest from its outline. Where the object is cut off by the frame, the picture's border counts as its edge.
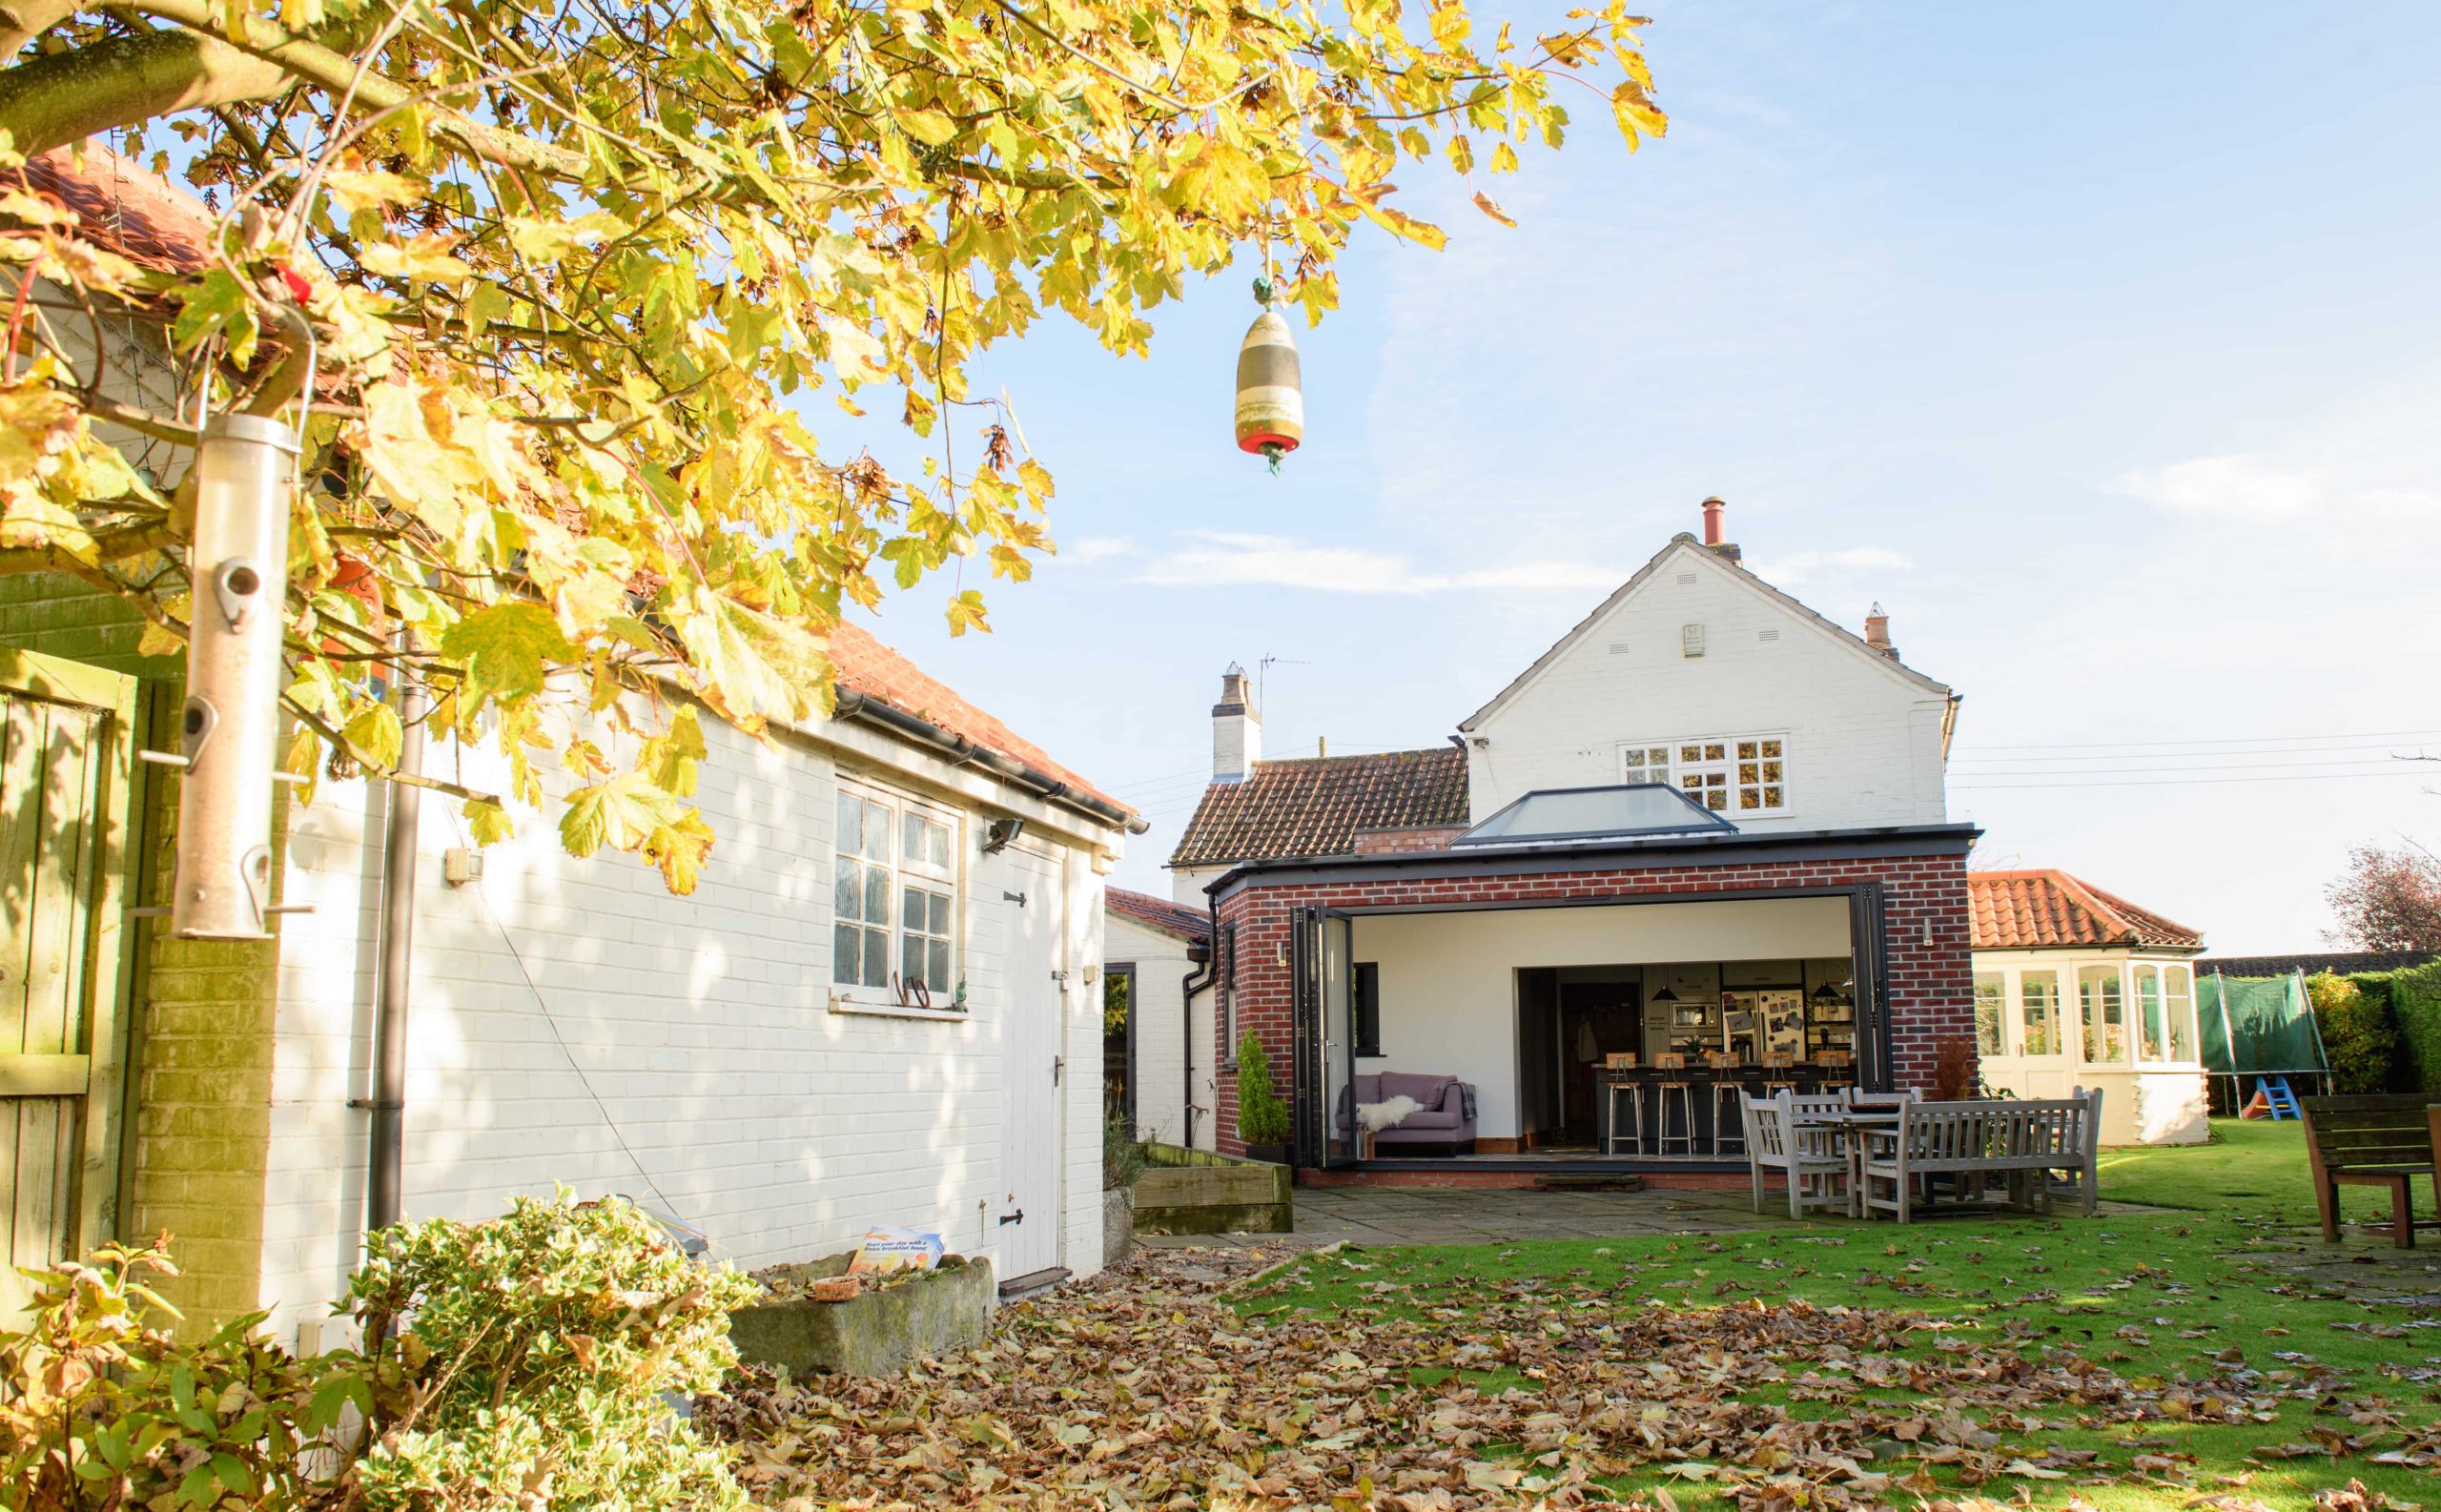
(1033, 1066)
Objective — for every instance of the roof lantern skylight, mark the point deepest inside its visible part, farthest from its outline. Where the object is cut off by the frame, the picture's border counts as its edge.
(1624, 812)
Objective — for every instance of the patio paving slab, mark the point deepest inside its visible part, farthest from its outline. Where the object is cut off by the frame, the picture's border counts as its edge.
(1394, 1216)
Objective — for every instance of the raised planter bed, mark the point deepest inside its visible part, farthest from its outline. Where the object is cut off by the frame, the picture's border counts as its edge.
(1195, 1191)
(884, 1326)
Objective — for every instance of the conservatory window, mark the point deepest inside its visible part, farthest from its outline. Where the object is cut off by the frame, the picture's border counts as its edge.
(894, 895)
(1991, 992)
(2152, 1025)
(2098, 992)
(2038, 997)
(2177, 1000)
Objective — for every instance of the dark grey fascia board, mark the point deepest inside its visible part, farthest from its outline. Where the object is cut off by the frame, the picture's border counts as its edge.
(1653, 855)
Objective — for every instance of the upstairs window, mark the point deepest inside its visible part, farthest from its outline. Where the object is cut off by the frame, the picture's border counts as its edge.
(894, 895)
(1733, 774)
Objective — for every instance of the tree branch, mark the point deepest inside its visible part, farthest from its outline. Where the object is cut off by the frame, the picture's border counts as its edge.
(21, 21)
(65, 98)
(340, 74)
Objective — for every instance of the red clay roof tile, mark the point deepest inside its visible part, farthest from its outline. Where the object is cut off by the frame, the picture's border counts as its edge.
(122, 207)
(865, 665)
(2044, 906)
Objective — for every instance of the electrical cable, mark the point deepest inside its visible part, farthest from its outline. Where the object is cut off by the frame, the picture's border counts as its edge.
(2185, 782)
(2238, 740)
(542, 1010)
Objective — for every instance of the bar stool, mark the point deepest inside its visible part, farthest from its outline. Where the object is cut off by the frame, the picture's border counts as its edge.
(1685, 1098)
(1628, 1095)
(1729, 1107)
(1773, 1086)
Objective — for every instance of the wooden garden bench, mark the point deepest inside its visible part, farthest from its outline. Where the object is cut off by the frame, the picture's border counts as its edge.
(2371, 1141)
(2025, 1139)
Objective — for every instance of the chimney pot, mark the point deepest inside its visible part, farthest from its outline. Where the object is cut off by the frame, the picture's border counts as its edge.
(1714, 509)
(1878, 633)
(1237, 730)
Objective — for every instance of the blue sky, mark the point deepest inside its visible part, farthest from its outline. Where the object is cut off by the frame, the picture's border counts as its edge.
(2097, 342)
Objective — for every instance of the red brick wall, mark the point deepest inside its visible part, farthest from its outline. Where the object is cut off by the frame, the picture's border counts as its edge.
(1931, 986)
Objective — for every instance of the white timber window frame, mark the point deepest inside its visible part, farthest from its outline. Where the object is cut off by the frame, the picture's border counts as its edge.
(1732, 775)
(896, 886)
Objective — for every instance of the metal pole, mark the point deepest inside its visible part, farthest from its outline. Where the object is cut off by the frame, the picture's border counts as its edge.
(386, 1155)
(230, 723)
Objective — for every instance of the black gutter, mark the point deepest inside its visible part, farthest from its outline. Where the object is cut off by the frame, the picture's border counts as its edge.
(1808, 844)
(1208, 970)
(964, 753)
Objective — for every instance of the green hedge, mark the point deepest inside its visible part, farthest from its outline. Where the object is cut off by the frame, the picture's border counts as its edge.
(2415, 1007)
(2353, 1015)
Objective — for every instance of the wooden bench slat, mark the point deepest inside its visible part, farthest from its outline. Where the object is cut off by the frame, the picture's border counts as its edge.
(2367, 1123)
(2370, 1140)
(2375, 1139)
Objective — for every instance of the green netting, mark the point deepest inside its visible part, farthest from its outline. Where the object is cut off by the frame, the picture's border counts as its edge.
(2251, 1025)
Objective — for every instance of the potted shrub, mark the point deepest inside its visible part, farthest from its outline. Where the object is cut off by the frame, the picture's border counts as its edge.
(1263, 1118)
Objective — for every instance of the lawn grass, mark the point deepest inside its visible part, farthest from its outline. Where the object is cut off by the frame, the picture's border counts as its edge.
(2154, 1298)
(2249, 1168)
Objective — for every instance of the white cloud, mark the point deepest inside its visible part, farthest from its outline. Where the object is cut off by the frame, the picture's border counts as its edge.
(1221, 559)
(1782, 572)
(1097, 548)
(2246, 485)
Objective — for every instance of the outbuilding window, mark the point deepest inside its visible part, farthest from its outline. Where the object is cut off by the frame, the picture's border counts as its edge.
(894, 895)
(2152, 1024)
(2039, 996)
(2098, 989)
(1990, 996)
(2177, 1000)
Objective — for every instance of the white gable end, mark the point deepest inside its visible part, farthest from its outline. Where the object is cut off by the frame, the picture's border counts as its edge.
(1697, 662)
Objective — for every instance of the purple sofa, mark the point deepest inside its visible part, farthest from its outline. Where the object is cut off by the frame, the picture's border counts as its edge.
(1447, 1116)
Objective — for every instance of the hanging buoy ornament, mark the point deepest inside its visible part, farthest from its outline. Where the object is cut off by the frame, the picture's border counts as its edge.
(1271, 405)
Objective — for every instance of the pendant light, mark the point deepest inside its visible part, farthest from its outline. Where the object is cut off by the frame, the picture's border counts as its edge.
(1271, 404)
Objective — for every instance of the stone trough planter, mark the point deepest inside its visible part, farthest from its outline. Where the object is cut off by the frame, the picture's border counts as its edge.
(876, 1333)
(1195, 1191)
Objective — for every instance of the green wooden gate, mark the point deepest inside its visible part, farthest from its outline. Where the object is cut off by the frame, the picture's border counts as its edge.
(67, 754)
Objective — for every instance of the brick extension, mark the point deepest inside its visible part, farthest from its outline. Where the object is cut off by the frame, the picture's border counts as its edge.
(1931, 987)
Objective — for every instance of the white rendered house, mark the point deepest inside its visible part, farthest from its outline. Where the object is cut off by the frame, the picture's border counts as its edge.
(2075, 987)
(1158, 1067)
(1705, 832)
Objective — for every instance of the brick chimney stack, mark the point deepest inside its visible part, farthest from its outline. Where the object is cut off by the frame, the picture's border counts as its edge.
(1878, 633)
(1237, 730)
(1714, 509)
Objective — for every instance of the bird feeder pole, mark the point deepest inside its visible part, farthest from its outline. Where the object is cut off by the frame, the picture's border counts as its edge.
(230, 728)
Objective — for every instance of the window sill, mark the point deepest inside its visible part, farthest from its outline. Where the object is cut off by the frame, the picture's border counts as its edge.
(868, 1009)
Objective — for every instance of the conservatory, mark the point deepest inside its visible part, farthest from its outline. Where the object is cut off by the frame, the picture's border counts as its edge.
(2078, 988)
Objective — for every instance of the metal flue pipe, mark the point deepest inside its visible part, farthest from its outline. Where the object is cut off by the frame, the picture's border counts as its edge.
(386, 1153)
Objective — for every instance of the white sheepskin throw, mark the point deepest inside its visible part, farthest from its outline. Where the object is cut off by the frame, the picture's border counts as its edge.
(1377, 1116)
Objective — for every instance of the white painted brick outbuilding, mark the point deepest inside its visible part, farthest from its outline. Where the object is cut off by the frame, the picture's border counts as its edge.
(573, 1023)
